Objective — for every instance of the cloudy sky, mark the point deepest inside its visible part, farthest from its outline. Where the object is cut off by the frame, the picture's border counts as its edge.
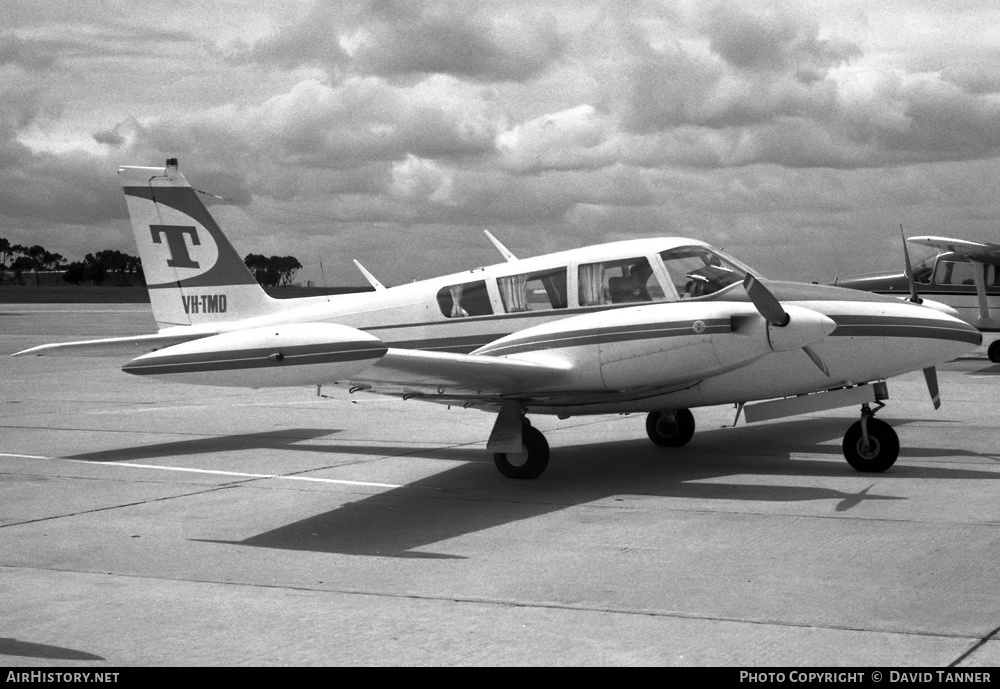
(796, 135)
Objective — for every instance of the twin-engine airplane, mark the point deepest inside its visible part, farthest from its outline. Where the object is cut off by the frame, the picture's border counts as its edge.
(963, 274)
(647, 325)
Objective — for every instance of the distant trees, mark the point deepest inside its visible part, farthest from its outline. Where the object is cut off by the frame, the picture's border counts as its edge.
(26, 259)
(95, 268)
(17, 260)
(273, 271)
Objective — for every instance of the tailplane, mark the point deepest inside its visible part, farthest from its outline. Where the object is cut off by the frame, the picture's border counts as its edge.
(193, 273)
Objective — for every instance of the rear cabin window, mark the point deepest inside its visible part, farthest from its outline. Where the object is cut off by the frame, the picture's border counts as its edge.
(539, 291)
(618, 282)
(697, 271)
(467, 299)
(954, 273)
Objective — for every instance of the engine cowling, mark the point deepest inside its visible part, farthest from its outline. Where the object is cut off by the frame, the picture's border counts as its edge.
(276, 356)
(652, 345)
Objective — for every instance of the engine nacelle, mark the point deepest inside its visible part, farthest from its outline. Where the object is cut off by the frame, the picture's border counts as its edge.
(652, 345)
(276, 356)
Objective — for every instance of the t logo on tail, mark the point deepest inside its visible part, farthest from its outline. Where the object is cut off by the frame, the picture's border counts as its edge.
(179, 256)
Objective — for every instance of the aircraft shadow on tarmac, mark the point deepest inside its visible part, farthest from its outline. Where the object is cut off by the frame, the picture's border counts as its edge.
(27, 649)
(472, 497)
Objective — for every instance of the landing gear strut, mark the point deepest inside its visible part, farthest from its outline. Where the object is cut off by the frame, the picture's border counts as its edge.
(870, 445)
(670, 428)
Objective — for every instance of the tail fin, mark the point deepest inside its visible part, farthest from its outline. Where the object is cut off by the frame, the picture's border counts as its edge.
(193, 273)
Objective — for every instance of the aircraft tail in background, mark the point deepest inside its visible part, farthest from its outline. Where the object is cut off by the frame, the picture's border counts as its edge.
(193, 273)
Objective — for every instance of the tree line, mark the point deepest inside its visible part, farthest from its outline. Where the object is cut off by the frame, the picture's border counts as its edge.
(17, 260)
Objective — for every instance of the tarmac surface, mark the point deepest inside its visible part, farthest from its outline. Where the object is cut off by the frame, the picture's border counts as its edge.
(147, 524)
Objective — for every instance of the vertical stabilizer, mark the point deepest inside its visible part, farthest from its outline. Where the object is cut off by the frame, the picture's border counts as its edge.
(193, 273)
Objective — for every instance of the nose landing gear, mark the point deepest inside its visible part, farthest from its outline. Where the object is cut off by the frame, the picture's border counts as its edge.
(871, 445)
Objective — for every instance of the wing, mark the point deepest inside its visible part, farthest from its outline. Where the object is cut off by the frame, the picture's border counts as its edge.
(470, 373)
(115, 346)
(975, 251)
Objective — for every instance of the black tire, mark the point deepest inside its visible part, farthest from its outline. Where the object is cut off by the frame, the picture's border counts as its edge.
(528, 464)
(882, 451)
(667, 433)
(993, 351)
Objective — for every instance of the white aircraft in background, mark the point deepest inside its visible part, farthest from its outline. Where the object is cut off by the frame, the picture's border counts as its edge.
(646, 325)
(964, 275)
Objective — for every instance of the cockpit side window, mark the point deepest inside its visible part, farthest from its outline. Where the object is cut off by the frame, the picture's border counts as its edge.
(922, 272)
(696, 271)
(537, 291)
(464, 300)
(618, 282)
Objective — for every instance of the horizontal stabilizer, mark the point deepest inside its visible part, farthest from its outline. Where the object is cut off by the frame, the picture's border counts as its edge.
(270, 356)
(116, 346)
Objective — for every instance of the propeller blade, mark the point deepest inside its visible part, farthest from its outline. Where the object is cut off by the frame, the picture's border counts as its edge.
(914, 297)
(765, 302)
(930, 375)
(816, 360)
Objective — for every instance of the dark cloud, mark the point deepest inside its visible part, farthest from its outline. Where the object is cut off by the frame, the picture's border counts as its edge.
(976, 78)
(773, 42)
(45, 189)
(394, 39)
(31, 55)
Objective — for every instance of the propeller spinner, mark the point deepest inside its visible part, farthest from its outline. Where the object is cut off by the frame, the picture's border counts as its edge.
(778, 317)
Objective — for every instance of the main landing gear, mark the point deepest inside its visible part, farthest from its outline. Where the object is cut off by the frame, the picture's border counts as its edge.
(993, 351)
(672, 428)
(531, 461)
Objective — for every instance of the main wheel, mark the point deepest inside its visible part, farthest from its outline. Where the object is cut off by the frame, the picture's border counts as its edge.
(882, 450)
(667, 432)
(531, 461)
(993, 351)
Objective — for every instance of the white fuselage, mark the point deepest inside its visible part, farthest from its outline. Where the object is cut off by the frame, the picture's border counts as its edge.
(677, 347)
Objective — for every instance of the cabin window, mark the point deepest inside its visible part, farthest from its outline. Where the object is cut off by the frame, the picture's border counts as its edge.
(618, 282)
(922, 273)
(696, 271)
(954, 273)
(467, 299)
(537, 291)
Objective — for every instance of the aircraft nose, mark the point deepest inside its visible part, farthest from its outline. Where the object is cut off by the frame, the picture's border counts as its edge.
(941, 308)
(948, 326)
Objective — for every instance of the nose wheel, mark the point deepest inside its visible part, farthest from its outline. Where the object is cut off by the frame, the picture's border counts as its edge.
(871, 445)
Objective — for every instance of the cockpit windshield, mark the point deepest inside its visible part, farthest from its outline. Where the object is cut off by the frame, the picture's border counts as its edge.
(698, 270)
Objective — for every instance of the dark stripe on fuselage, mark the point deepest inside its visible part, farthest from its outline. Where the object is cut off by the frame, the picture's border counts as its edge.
(881, 326)
(245, 359)
(609, 334)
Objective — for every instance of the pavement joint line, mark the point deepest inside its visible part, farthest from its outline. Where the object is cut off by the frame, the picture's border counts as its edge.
(975, 647)
(539, 605)
(108, 508)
